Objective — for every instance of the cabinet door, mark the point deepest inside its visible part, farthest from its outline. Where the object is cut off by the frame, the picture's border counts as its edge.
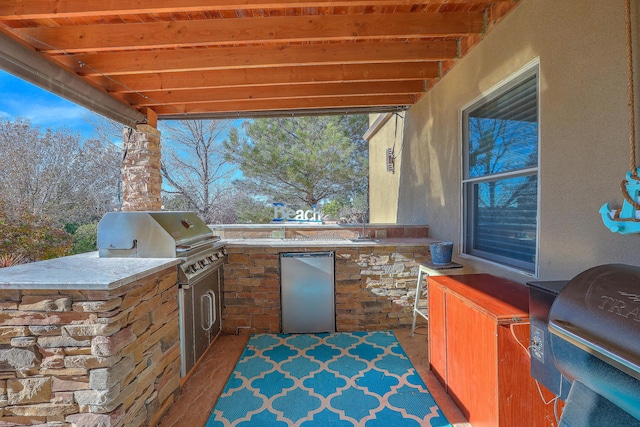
(437, 332)
(521, 404)
(472, 357)
(206, 317)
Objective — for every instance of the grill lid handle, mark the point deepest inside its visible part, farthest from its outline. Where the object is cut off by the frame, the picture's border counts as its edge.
(188, 247)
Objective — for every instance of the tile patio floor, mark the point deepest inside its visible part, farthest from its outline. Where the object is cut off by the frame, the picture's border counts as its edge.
(202, 389)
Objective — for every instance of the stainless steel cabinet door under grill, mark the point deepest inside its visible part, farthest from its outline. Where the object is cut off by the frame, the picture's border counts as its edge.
(307, 286)
(200, 312)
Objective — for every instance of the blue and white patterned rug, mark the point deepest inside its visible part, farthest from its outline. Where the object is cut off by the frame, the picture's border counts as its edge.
(338, 379)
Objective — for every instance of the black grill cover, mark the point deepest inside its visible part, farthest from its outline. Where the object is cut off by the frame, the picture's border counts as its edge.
(595, 327)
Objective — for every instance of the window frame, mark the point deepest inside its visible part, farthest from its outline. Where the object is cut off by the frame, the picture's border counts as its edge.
(468, 186)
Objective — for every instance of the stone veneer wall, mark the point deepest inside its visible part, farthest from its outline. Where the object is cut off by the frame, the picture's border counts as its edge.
(374, 287)
(141, 178)
(90, 358)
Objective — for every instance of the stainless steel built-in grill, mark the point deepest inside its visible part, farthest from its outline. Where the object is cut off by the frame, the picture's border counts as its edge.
(175, 235)
(153, 235)
(594, 335)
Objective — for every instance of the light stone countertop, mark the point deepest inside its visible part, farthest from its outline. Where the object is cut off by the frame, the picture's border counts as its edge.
(329, 243)
(90, 272)
(81, 272)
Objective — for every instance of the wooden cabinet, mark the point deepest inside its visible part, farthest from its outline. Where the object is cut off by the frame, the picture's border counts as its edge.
(437, 331)
(473, 352)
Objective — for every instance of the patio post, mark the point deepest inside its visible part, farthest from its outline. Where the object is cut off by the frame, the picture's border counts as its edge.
(141, 178)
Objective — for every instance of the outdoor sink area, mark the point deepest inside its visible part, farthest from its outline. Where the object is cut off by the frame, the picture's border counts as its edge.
(363, 239)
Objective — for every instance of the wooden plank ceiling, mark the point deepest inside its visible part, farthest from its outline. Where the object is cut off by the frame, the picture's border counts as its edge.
(247, 58)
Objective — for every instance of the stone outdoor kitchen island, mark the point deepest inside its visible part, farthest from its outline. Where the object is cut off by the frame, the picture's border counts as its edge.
(375, 280)
(88, 341)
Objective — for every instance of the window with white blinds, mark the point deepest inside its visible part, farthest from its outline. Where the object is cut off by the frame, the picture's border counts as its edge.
(500, 182)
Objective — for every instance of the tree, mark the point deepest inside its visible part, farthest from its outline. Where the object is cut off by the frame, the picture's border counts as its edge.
(249, 208)
(348, 211)
(499, 145)
(56, 174)
(304, 159)
(196, 175)
(195, 171)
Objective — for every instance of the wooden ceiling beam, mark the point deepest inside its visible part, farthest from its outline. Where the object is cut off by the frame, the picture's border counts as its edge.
(282, 29)
(270, 76)
(204, 58)
(51, 9)
(122, 63)
(274, 92)
(239, 107)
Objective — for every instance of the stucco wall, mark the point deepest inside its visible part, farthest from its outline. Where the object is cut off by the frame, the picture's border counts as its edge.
(580, 46)
(384, 185)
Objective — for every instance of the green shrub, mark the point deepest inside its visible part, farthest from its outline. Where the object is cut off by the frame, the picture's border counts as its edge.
(71, 227)
(85, 239)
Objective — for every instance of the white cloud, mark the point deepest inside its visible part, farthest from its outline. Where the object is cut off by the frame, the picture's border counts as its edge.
(55, 116)
(20, 99)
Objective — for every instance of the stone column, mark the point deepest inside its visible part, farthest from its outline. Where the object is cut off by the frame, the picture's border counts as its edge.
(141, 179)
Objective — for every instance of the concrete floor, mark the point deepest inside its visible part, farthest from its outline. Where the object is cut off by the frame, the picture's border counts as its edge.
(201, 390)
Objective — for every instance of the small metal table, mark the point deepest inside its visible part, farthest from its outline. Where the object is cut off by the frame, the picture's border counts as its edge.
(425, 270)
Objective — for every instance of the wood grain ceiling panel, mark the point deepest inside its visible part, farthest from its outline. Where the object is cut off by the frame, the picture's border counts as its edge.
(231, 57)
(142, 62)
(274, 76)
(47, 9)
(107, 37)
(156, 99)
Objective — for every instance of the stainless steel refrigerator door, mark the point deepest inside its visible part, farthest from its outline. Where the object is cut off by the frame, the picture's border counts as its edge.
(307, 287)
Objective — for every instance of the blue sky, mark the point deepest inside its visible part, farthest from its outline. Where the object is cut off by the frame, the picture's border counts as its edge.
(20, 99)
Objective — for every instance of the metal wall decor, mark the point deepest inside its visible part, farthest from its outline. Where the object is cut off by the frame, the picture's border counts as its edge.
(626, 220)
